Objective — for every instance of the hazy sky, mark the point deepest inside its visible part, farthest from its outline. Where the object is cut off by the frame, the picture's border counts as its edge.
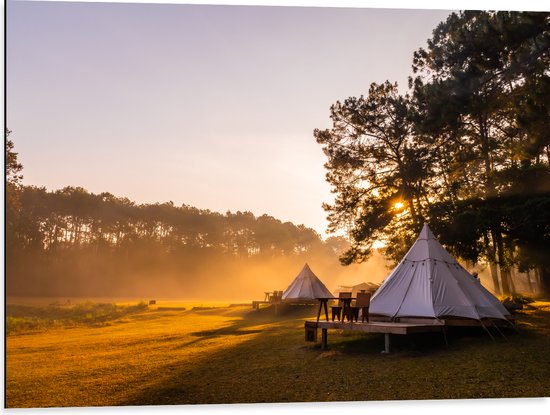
(212, 106)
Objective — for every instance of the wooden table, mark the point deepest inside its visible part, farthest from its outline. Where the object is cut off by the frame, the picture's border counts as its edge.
(323, 303)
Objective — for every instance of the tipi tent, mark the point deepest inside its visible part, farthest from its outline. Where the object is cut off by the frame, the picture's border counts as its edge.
(429, 282)
(306, 286)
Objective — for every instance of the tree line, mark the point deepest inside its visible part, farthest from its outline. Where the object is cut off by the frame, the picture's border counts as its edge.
(466, 149)
(72, 241)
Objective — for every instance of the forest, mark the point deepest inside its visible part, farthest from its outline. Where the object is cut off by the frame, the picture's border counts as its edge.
(466, 149)
(73, 242)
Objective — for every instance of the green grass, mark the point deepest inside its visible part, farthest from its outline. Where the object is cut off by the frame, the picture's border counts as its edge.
(235, 355)
(25, 318)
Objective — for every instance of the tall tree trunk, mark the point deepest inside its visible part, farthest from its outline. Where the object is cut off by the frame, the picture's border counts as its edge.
(485, 153)
(544, 273)
(494, 276)
(506, 281)
(504, 272)
(511, 282)
(537, 279)
(491, 254)
(489, 192)
(529, 283)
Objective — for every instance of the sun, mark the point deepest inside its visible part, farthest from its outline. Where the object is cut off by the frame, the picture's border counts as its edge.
(398, 205)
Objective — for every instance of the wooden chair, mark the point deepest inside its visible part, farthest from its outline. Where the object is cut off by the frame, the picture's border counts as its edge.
(337, 309)
(276, 297)
(361, 303)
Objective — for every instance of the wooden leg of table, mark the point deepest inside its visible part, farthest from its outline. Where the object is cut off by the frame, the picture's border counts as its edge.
(326, 309)
(324, 344)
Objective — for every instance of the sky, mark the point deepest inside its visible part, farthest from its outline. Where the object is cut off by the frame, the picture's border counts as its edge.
(209, 106)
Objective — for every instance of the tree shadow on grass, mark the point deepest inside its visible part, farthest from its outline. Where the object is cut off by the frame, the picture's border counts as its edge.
(274, 365)
(354, 343)
(237, 327)
(533, 319)
(411, 345)
(231, 330)
(264, 316)
(278, 367)
(284, 312)
(214, 377)
(224, 331)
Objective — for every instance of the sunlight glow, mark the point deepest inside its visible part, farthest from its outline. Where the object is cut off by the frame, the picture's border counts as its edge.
(378, 244)
(398, 205)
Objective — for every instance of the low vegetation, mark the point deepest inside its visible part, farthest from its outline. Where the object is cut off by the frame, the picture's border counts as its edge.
(231, 354)
(516, 301)
(24, 318)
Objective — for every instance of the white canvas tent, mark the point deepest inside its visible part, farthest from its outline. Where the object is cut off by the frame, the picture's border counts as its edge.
(306, 286)
(429, 282)
(354, 289)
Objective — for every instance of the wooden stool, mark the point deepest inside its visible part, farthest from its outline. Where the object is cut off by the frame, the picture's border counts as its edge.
(337, 309)
(349, 314)
(337, 312)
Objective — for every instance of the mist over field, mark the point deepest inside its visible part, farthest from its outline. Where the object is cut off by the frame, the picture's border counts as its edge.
(211, 279)
(78, 244)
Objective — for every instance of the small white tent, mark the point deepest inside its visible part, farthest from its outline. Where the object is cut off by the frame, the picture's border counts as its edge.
(306, 286)
(354, 289)
(429, 282)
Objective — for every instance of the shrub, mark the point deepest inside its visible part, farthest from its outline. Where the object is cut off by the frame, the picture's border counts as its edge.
(515, 301)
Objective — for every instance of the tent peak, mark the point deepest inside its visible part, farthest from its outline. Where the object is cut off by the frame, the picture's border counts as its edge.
(306, 286)
(426, 232)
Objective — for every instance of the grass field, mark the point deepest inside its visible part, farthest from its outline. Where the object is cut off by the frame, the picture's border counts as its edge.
(190, 353)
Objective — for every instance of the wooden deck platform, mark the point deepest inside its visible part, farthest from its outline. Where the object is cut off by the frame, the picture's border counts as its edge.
(377, 327)
(447, 321)
(256, 304)
(379, 324)
(281, 303)
(386, 328)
